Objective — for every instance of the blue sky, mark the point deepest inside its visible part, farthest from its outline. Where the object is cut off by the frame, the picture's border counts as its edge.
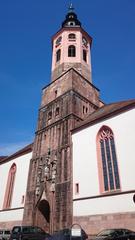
(26, 28)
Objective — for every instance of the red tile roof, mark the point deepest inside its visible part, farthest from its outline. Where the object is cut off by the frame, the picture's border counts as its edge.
(2, 157)
(104, 112)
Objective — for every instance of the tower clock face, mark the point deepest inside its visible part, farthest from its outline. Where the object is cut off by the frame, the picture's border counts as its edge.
(85, 42)
(58, 41)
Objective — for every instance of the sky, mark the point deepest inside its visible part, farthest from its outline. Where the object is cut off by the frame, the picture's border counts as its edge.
(26, 28)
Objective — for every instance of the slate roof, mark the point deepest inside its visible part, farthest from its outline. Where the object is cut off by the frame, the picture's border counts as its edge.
(104, 112)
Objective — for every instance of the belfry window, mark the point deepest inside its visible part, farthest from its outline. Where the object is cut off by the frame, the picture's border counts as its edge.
(71, 51)
(50, 115)
(84, 55)
(9, 187)
(58, 55)
(57, 111)
(72, 36)
(107, 160)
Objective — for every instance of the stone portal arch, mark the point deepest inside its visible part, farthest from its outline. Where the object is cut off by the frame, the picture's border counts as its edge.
(44, 208)
(42, 214)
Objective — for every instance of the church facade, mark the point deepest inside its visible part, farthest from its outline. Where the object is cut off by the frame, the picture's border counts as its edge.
(81, 168)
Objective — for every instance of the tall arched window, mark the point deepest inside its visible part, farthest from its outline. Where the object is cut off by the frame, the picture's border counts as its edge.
(9, 187)
(84, 55)
(58, 55)
(71, 51)
(107, 160)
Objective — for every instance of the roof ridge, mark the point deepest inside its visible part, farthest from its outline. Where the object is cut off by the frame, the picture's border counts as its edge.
(104, 112)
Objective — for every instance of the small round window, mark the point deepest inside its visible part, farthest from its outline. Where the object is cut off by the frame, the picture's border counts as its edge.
(71, 23)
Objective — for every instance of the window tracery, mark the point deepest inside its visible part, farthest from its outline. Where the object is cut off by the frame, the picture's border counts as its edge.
(110, 173)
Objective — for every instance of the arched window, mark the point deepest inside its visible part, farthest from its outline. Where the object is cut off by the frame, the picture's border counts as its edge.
(9, 187)
(107, 160)
(71, 51)
(84, 55)
(58, 55)
(72, 36)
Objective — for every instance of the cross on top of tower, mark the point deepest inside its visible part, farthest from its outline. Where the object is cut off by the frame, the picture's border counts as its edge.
(71, 8)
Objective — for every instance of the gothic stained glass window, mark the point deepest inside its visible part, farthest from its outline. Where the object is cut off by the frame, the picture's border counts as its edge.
(108, 158)
(9, 187)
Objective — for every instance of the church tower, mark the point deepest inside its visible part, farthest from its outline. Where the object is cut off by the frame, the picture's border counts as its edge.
(68, 99)
(76, 43)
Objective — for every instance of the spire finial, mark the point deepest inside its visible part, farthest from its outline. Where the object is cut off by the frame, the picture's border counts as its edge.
(71, 17)
(71, 8)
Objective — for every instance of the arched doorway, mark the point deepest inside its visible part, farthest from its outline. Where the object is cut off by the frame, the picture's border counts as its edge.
(44, 209)
(42, 215)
